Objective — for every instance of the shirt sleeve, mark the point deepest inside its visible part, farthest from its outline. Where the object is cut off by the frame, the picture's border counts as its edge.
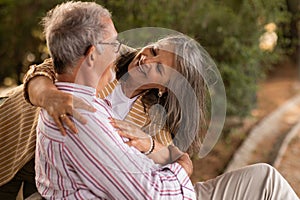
(45, 69)
(113, 170)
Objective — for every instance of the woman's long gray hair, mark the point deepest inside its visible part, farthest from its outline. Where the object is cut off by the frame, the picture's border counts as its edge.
(182, 109)
(185, 101)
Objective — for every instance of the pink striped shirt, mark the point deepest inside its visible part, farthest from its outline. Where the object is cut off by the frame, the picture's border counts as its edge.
(97, 164)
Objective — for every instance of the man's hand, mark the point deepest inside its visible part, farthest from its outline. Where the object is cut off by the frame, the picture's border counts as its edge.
(186, 163)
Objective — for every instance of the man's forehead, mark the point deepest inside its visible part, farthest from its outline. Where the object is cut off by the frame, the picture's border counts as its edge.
(109, 32)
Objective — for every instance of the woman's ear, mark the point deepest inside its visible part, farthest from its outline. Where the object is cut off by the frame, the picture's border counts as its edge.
(162, 90)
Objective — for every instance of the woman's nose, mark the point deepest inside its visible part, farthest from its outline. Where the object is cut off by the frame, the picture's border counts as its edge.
(148, 59)
(142, 59)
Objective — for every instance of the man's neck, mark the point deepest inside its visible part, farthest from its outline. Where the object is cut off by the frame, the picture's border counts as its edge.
(66, 78)
(79, 75)
(69, 75)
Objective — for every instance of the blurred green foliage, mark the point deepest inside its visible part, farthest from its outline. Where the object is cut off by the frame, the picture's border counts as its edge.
(228, 29)
(20, 35)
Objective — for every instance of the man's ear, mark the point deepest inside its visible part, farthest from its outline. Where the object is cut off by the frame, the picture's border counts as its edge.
(90, 57)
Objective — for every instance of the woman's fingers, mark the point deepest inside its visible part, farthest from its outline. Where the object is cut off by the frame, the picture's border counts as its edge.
(141, 144)
(128, 128)
(126, 135)
(76, 103)
(121, 124)
(69, 123)
(59, 125)
(80, 104)
(71, 111)
(137, 138)
(60, 104)
(79, 117)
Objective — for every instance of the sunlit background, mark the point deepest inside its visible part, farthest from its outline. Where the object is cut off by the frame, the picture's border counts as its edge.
(244, 37)
(248, 39)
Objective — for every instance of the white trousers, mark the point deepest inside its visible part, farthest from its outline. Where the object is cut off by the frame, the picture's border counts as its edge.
(254, 182)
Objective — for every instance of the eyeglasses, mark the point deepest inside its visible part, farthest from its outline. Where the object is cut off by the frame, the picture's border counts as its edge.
(117, 45)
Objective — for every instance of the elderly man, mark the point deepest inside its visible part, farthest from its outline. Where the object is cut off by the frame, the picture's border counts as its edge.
(82, 61)
(95, 163)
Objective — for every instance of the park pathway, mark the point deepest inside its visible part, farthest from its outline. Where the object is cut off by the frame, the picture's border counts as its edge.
(275, 139)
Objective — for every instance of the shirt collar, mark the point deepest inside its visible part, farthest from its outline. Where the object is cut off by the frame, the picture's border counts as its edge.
(74, 88)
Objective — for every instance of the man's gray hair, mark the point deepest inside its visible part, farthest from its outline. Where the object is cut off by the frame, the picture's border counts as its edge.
(70, 29)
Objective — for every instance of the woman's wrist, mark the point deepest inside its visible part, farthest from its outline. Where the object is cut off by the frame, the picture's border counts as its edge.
(152, 146)
(175, 153)
(165, 154)
(38, 90)
(43, 70)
